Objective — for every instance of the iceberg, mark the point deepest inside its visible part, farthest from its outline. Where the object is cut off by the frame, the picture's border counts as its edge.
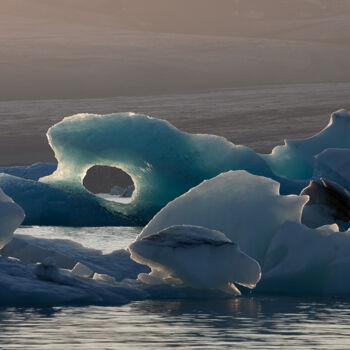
(195, 257)
(247, 208)
(162, 161)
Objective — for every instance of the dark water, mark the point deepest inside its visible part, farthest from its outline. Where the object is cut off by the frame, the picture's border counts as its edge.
(241, 323)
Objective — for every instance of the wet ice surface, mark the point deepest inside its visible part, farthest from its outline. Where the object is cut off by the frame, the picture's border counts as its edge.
(106, 239)
(242, 323)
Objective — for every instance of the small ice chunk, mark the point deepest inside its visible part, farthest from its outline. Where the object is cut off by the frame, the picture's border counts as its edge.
(82, 270)
(104, 278)
(197, 257)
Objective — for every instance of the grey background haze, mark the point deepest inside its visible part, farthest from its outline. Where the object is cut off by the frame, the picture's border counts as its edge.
(254, 71)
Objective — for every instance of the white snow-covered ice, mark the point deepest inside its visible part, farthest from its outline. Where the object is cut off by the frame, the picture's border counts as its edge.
(248, 209)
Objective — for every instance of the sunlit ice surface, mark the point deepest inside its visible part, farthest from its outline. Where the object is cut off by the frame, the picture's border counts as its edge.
(244, 323)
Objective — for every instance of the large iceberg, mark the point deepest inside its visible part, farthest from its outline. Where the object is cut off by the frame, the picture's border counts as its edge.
(247, 208)
(162, 161)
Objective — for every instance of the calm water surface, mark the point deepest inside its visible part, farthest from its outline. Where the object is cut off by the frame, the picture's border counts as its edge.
(267, 322)
(241, 323)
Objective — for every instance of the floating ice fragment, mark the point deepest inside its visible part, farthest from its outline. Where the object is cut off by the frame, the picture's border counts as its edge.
(196, 257)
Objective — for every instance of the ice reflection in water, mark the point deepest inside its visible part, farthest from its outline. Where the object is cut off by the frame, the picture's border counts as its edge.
(252, 323)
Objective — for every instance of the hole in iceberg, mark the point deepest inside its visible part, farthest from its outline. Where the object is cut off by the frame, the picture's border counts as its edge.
(110, 183)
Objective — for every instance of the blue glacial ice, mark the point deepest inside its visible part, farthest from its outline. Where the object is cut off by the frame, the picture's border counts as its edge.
(296, 158)
(162, 161)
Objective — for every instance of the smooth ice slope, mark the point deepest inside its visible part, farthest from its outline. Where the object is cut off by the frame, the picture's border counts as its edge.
(11, 216)
(304, 260)
(196, 257)
(295, 159)
(248, 209)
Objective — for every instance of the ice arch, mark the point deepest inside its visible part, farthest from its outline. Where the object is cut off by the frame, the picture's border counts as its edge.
(162, 161)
